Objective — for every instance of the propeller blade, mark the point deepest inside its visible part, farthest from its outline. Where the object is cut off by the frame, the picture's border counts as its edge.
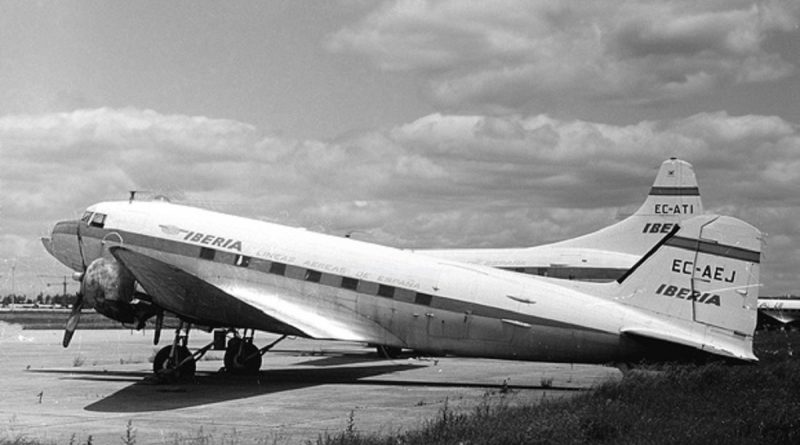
(75, 315)
(159, 324)
(80, 246)
(72, 321)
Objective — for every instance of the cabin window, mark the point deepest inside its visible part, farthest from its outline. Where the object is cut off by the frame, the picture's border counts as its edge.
(385, 291)
(423, 299)
(242, 261)
(207, 254)
(87, 216)
(259, 264)
(330, 280)
(278, 269)
(349, 283)
(98, 220)
(313, 276)
(294, 272)
(404, 295)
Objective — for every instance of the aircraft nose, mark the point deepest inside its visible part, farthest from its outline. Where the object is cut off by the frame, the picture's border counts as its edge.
(63, 244)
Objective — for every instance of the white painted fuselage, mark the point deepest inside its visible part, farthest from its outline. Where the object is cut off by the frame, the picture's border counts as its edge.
(299, 282)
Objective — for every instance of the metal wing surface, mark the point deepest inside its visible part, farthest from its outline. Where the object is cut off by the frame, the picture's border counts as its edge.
(220, 302)
(195, 299)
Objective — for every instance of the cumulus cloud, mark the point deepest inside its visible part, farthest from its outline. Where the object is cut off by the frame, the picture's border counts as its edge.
(486, 55)
(439, 181)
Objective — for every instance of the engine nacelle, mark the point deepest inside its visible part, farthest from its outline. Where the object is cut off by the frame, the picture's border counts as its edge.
(110, 288)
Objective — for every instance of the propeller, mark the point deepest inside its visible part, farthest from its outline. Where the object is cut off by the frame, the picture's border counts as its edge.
(75, 315)
(159, 324)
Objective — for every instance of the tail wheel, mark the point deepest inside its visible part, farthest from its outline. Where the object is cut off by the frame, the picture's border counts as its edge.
(164, 362)
(242, 357)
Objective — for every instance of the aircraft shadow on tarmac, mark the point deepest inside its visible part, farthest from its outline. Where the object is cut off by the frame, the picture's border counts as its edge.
(216, 387)
(344, 359)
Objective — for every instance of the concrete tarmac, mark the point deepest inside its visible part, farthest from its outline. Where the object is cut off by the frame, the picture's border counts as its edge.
(305, 388)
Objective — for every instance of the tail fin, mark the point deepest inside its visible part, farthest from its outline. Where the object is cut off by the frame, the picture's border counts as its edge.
(673, 198)
(701, 284)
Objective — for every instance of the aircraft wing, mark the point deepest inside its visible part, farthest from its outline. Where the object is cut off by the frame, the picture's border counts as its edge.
(196, 299)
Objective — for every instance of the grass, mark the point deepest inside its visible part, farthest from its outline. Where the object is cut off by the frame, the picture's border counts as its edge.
(714, 403)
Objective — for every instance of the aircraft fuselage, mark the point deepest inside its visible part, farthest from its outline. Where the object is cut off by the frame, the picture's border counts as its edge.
(227, 271)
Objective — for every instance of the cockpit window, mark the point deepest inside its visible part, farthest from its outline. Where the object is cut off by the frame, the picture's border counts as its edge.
(98, 220)
(87, 216)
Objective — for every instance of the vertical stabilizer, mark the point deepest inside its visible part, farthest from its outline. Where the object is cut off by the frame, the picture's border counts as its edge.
(673, 197)
(700, 284)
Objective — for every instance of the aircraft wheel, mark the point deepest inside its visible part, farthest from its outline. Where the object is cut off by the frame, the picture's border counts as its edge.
(388, 351)
(242, 358)
(163, 362)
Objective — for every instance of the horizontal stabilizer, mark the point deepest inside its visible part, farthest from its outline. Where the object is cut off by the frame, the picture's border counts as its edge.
(686, 340)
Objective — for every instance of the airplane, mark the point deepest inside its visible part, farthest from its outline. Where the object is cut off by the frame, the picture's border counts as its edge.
(608, 253)
(692, 296)
(786, 309)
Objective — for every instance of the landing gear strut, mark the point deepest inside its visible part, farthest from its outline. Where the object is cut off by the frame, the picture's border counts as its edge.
(388, 352)
(182, 364)
(176, 361)
(242, 356)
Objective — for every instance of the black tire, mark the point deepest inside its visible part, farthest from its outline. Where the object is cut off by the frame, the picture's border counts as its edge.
(242, 357)
(163, 362)
(388, 351)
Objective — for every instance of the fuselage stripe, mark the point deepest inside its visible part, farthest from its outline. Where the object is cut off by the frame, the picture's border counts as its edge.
(674, 191)
(572, 273)
(721, 250)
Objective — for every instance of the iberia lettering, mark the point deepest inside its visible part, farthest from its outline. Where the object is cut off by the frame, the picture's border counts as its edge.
(684, 293)
(658, 228)
(674, 209)
(708, 272)
(214, 241)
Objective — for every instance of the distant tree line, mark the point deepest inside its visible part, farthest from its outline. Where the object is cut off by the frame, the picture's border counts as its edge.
(40, 300)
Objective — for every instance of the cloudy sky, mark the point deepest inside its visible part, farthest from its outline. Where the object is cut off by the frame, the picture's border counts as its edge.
(414, 123)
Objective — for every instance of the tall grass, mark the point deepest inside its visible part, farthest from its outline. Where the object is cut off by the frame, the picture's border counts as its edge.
(714, 403)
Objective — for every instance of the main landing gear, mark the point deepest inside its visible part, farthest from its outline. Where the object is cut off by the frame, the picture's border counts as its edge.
(176, 361)
(241, 355)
